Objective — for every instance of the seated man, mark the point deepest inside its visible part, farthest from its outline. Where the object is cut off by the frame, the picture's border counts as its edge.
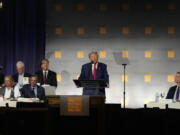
(94, 71)
(9, 91)
(174, 91)
(19, 76)
(46, 76)
(1, 79)
(32, 90)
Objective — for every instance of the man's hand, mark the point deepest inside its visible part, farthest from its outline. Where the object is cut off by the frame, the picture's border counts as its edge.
(107, 85)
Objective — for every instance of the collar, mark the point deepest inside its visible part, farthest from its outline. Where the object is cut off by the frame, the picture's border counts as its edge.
(21, 74)
(7, 89)
(45, 71)
(93, 63)
(34, 87)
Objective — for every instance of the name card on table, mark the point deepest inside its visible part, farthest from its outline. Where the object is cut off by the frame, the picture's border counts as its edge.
(25, 80)
(74, 105)
(12, 104)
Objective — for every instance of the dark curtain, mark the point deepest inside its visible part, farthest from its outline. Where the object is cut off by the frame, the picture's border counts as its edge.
(22, 34)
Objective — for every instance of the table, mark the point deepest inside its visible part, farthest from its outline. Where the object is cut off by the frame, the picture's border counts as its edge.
(104, 119)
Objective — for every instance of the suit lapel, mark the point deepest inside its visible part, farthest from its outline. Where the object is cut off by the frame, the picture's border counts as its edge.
(98, 69)
(16, 77)
(48, 76)
(4, 89)
(25, 74)
(42, 77)
(90, 72)
(12, 93)
(37, 91)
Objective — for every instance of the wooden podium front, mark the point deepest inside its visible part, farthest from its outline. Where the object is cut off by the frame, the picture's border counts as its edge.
(96, 103)
(54, 101)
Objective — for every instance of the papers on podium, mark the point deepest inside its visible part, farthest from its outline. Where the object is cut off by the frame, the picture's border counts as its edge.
(28, 100)
(49, 90)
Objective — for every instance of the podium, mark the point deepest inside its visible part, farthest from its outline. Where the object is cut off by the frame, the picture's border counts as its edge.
(49, 90)
(90, 84)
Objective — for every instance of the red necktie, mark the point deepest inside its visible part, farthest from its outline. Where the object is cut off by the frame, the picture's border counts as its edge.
(94, 72)
(45, 79)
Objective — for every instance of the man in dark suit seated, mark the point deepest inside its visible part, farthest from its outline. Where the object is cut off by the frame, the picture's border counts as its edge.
(94, 71)
(46, 76)
(174, 91)
(21, 74)
(1, 79)
(32, 90)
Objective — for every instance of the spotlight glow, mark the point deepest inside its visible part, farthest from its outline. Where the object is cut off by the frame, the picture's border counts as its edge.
(1, 4)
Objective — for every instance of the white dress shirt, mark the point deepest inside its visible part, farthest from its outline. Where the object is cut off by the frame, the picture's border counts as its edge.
(7, 93)
(46, 73)
(16, 91)
(93, 67)
(20, 79)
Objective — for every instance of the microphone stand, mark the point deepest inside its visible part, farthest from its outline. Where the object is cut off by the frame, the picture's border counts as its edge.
(124, 93)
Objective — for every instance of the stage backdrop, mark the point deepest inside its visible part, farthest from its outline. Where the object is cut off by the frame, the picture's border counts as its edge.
(142, 33)
(22, 34)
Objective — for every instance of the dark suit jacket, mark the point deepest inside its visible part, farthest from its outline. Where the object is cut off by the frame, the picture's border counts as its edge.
(15, 76)
(51, 78)
(1, 79)
(101, 74)
(26, 92)
(2, 92)
(171, 92)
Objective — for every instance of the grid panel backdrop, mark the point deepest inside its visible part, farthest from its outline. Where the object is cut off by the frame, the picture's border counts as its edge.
(145, 34)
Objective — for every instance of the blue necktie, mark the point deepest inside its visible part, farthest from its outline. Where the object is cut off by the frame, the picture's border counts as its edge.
(177, 94)
(33, 92)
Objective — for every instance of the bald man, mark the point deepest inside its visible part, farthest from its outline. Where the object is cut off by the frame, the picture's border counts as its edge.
(19, 76)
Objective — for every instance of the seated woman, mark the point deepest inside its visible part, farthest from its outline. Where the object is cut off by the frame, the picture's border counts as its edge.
(9, 91)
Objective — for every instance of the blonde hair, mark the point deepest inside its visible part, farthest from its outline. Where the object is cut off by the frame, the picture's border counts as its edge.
(93, 52)
(10, 78)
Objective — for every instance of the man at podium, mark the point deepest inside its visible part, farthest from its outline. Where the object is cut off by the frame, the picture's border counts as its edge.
(94, 71)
